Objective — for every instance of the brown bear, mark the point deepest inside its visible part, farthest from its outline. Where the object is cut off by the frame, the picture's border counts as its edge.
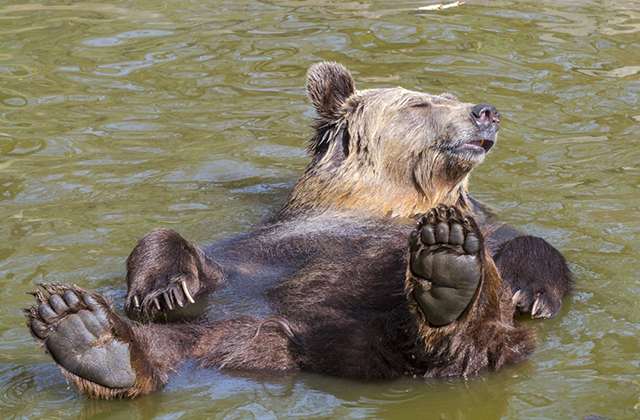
(378, 265)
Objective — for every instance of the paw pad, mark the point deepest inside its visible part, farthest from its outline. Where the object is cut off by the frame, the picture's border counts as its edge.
(76, 328)
(445, 264)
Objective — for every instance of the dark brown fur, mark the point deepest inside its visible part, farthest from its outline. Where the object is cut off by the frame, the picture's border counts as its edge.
(324, 283)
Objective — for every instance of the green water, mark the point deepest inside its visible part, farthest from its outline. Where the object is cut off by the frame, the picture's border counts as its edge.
(118, 117)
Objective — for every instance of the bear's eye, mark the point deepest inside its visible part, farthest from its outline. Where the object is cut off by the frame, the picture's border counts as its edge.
(421, 105)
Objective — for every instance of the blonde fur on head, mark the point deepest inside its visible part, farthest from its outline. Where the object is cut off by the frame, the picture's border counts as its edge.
(385, 152)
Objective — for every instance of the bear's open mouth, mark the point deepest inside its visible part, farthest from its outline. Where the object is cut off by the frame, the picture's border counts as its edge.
(476, 146)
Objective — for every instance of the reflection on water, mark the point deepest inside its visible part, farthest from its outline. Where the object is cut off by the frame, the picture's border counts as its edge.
(118, 118)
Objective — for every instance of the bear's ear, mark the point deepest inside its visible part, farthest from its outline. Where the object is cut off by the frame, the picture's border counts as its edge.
(328, 86)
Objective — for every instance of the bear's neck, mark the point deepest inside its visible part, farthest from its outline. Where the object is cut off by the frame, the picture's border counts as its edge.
(328, 191)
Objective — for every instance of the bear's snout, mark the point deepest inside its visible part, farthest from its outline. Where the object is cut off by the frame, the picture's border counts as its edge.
(485, 115)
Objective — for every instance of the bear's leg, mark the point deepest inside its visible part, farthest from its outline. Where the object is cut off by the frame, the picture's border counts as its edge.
(248, 343)
(103, 355)
(536, 273)
(165, 272)
(446, 258)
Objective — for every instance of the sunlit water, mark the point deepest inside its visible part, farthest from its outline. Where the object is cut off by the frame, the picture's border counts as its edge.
(117, 117)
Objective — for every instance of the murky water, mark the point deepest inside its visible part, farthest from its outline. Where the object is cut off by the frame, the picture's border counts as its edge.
(118, 117)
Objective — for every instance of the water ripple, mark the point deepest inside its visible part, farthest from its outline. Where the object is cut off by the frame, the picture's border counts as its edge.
(121, 117)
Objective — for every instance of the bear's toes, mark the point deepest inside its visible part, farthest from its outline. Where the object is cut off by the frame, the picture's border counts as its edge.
(545, 306)
(540, 305)
(79, 331)
(445, 264)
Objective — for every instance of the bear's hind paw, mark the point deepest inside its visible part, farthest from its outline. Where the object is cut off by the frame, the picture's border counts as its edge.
(446, 254)
(90, 344)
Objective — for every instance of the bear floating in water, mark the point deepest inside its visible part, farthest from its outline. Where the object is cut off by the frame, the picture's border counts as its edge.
(379, 264)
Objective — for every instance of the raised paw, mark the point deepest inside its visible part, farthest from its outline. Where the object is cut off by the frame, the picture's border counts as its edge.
(164, 272)
(446, 256)
(91, 345)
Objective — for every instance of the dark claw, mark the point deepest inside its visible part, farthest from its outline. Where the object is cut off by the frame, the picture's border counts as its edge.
(40, 298)
(431, 217)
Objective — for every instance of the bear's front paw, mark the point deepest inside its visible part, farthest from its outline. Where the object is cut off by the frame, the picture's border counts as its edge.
(164, 272)
(445, 264)
(536, 273)
(85, 339)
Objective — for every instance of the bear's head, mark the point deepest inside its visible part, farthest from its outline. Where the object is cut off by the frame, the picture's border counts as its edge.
(391, 152)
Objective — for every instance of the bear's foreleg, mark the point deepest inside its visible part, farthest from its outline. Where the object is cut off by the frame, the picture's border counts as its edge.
(536, 272)
(165, 272)
(103, 355)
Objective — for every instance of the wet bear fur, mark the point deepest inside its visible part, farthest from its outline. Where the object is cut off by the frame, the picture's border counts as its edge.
(332, 281)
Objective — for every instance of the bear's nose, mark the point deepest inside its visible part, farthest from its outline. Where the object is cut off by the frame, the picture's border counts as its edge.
(485, 114)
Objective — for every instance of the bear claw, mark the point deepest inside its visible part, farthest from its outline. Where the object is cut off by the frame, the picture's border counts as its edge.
(545, 306)
(445, 264)
(167, 298)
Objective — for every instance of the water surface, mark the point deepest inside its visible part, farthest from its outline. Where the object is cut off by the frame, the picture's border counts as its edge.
(119, 117)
